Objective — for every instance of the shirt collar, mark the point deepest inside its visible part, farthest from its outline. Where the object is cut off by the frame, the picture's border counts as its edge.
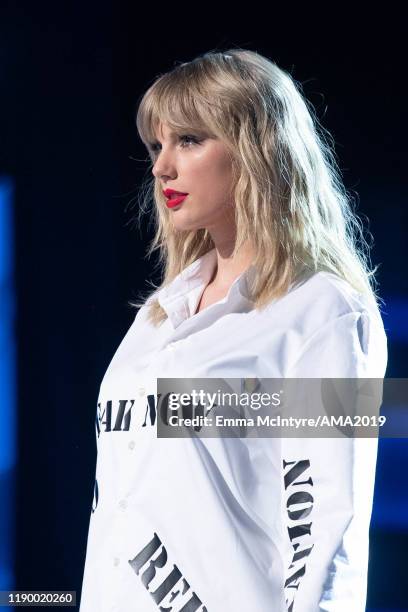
(180, 298)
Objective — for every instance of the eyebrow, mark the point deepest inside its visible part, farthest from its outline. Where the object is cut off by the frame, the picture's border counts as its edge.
(187, 130)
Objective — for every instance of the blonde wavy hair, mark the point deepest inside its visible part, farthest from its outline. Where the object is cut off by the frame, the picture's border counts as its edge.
(289, 196)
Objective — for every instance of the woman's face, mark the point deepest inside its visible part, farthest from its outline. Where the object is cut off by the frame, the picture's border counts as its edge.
(200, 166)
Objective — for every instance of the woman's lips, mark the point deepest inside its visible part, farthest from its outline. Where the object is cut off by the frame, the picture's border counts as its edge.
(175, 201)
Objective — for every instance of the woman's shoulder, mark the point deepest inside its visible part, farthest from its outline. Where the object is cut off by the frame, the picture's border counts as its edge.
(324, 303)
(326, 296)
(332, 329)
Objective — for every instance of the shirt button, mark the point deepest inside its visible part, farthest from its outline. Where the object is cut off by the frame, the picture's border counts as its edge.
(142, 390)
(116, 561)
(123, 504)
(131, 444)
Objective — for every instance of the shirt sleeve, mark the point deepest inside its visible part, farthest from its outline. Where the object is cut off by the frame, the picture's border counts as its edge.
(329, 482)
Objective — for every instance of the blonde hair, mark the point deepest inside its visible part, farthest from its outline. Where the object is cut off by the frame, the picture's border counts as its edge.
(289, 196)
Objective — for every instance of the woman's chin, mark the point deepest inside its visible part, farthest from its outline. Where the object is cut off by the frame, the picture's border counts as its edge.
(182, 223)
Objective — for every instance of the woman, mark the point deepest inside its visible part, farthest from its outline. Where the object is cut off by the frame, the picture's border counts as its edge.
(265, 276)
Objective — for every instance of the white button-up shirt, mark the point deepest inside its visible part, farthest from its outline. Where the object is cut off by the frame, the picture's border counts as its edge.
(224, 524)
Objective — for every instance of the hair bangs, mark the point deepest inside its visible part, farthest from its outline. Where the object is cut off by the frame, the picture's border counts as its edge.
(179, 105)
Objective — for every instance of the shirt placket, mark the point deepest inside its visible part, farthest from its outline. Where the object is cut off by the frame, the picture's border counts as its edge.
(117, 579)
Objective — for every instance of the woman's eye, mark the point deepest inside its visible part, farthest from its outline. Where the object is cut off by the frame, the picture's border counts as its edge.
(186, 140)
(188, 137)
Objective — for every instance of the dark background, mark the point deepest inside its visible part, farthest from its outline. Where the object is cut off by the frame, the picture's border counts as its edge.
(70, 78)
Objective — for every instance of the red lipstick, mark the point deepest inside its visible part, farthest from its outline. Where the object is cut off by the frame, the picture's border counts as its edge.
(174, 198)
(171, 203)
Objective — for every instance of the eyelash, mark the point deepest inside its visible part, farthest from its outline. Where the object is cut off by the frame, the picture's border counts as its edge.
(193, 138)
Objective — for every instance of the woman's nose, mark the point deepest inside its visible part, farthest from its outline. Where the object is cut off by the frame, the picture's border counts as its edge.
(164, 165)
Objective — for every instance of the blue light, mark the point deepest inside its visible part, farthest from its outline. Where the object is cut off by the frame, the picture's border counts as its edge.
(391, 485)
(395, 318)
(8, 403)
